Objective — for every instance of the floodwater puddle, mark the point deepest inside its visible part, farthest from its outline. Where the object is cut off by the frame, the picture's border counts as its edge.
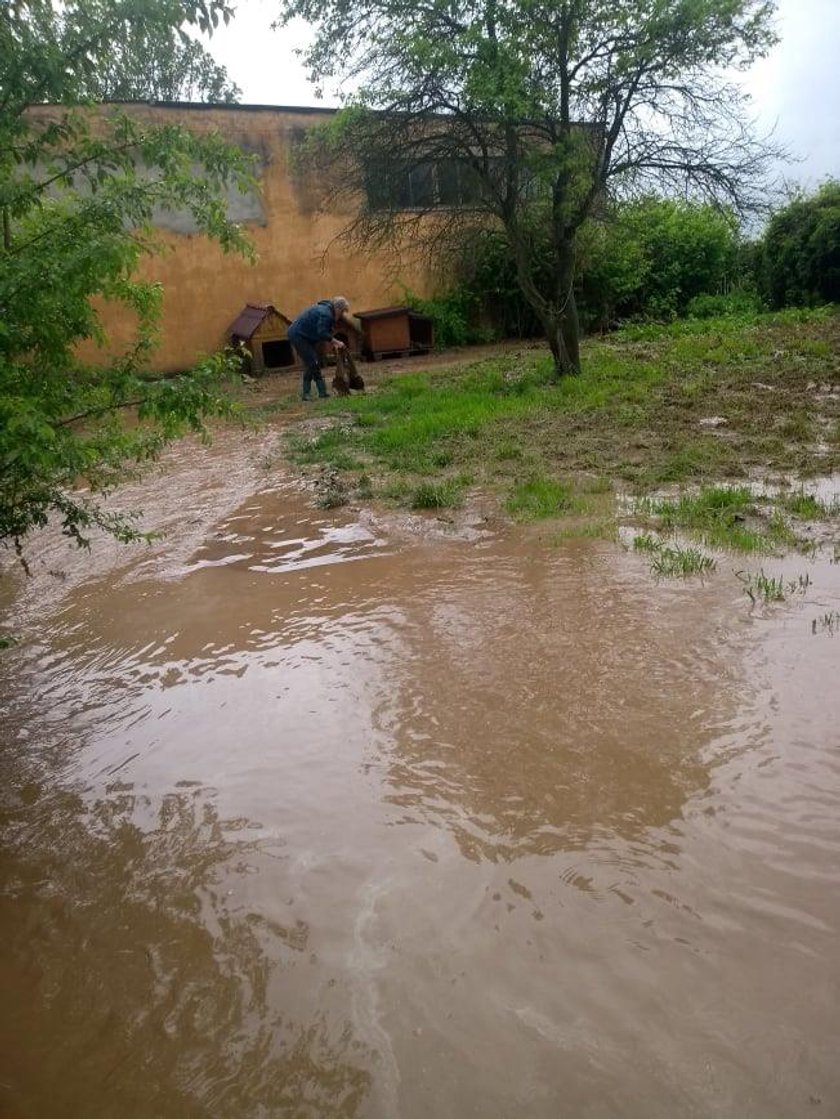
(319, 819)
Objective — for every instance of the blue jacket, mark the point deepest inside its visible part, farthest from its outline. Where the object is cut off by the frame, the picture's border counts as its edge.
(316, 323)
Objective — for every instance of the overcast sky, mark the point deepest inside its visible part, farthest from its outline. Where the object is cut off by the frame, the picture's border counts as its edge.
(796, 90)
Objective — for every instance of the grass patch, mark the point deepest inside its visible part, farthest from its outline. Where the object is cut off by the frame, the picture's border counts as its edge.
(397, 491)
(596, 485)
(808, 507)
(508, 449)
(364, 487)
(762, 587)
(701, 456)
(330, 447)
(539, 498)
(600, 528)
(634, 414)
(721, 517)
(669, 561)
(759, 587)
(436, 495)
(827, 623)
(681, 562)
(798, 427)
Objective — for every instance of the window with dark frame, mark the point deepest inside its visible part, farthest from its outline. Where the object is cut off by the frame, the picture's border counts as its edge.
(435, 184)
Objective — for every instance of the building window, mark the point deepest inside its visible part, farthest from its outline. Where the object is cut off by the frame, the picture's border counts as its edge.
(436, 184)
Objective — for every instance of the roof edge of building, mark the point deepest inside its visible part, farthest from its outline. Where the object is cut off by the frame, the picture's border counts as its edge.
(233, 106)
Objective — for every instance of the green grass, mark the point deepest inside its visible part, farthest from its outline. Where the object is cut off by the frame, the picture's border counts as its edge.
(681, 562)
(808, 507)
(507, 449)
(772, 588)
(594, 528)
(721, 517)
(436, 495)
(764, 587)
(667, 561)
(542, 447)
(797, 426)
(539, 498)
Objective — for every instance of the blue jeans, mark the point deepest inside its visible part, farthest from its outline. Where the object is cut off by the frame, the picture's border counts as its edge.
(311, 364)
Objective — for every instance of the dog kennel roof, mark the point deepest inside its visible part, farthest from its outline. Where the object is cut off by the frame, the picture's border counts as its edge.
(390, 312)
(251, 317)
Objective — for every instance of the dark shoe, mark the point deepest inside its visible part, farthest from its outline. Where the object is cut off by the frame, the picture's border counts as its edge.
(308, 399)
(323, 396)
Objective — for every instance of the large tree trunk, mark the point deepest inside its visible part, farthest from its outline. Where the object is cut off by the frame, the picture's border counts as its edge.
(569, 323)
(562, 331)
(558, 311)
(570, 329)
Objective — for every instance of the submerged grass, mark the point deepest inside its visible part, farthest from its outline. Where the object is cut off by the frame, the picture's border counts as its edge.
(692, 404)
(828, 623)
(760, 587)
(593, 528)
(808, 507)
(666, 560)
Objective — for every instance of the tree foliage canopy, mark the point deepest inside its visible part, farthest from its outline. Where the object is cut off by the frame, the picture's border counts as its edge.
(79, 188)
(160, 66)
(133, 50)
(535, 110)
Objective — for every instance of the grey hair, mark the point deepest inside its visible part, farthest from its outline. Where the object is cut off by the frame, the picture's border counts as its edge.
(340, 303)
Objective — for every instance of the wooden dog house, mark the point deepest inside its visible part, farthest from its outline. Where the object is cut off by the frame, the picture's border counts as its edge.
(263, 330)
(395, 330)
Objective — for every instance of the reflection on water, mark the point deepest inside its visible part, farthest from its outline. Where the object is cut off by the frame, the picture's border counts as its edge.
(539, 702)
(136, 988)
(332, 823)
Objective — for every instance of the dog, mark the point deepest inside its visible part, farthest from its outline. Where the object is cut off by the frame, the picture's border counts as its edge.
(347, 376)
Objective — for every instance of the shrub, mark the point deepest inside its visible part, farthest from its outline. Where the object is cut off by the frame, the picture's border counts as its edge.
(800, 252)
(648, 257)
(740, 303)
(455, 316)
(688, 250)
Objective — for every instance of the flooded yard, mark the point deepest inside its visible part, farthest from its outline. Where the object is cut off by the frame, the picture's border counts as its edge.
(311, 813)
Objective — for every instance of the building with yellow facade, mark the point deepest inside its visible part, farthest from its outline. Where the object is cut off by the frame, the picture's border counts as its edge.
(299, 259)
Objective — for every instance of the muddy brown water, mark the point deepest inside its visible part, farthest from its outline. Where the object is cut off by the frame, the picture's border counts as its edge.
(310, 814)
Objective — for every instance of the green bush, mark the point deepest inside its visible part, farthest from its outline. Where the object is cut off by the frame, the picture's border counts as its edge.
(455, 315)
(611, 266)
(648, 258)
(687, 249)
(489, 272)
(799, 261)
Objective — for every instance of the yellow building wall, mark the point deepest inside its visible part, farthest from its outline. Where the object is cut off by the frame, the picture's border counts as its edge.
(205, 289)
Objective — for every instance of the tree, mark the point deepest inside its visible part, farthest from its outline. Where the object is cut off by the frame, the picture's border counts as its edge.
(152, 63)
(79, 187)
(523, 115)
(799, 257)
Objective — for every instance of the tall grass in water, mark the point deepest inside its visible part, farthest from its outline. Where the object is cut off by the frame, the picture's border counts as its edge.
(668, 561)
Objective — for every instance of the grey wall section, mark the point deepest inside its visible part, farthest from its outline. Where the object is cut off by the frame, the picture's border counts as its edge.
(244, 208)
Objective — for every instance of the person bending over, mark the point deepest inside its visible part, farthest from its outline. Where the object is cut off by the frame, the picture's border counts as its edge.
(313, 326)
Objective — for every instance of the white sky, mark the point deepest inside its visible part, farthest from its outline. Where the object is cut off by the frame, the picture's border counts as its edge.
(796, 90)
